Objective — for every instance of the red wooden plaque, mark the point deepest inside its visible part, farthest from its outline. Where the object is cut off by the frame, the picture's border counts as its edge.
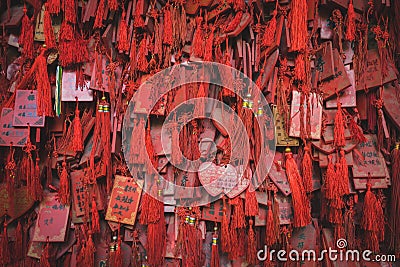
(214, 211)
(391, 104)
(69, 92)
(315, 120)
(278, 175)
(25, 109)
(348, 96)
(124, 200)
(285, 211)
(372, 162)
(9, 134)
(15, 206)
(52, 220)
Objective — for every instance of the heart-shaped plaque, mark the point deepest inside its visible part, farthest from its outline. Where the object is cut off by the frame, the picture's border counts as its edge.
(242, 182)
(16, 206)
(221, 179)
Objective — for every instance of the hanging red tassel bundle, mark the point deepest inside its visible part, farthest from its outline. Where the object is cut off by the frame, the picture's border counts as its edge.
(156, 235)
(250, 203)
(395, 200)
(372, 221)
(168, 30)
(11, 168)
(54, 6)
(307, 169)
(150, 151)
(225, 236)
(298, 25)
(123, 44)
(271, 230)
(356, 132)
(18, 246)
(45, 257)
(215, 260)
(77, 140)
(50, 41)
(199, 109)
(70, 11)
(208, 50)
(251, 254)
(300, 201)
(117, 260)
(64, 192)
(44, 103)
(138, 20)
(235, 22)
(95, 217)
(98, 21)
(36, 188)
(105, 119)
(269, 34)
(198, 39)
(344, 173)
(300, 67)
(5, 250)
(113, 5)
(339, 139)
(351, 22)
(142, 63)
(26, 38)
(90, 249)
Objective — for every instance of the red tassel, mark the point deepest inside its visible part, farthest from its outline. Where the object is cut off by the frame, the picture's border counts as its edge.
(339, 139)
(168, 31)
(36, 186)
(90, 249)
(238, 219)
(11, 168)
(150, 208)
(351, 22)
(250, 203)
(28, 166)
(123, 44)
(5, 250)
(225, 236)
(235, 22)
(356, 132)
(156, 236)
(118, 253)
(150, 151)
(95, 217)
(54, 6)
(26, 38)
(298, 25)
(329, 191)
(113, 5)
(45, 258)
(70, 11)
(215, 261)
(138, 20)
(50, 41)
(251, 255)
(307, 169)
(270, 30)
(142, 63)
(98, 21)
(199, 111)
(198, 39)
(18, 247)
(77, 140)
(44, 103)
(300, 201)
(372, 221)
(300, 67)
(395, 200)
(64, 191)
(208, 51)
(272, 227)
(344, 173)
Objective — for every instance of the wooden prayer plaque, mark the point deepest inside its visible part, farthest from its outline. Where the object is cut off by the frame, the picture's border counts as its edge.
(348, 95)
(324, 61)
(52, 220)
(315, 120)
(9, 134)
(69, 92)
(124, 200)
(281, 137)
(25, 109)
(214, 212)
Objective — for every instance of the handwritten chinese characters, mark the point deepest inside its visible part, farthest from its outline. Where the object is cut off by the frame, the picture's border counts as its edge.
(25, 109)
(8, 133)
(52, 220)
(124, 200)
